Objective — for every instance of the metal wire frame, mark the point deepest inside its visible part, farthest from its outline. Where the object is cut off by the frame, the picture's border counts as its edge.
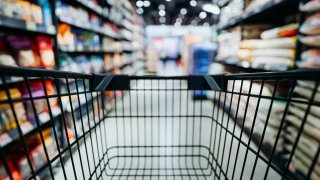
(156, 130)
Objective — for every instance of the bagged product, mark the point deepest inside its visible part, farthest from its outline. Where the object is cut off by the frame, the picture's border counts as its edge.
(313, 40)
(272, 43)
(272, 62)
(310, 59)
(36, 14)
(312, 25)
(6, 113)
(284, 31)
(311, 6)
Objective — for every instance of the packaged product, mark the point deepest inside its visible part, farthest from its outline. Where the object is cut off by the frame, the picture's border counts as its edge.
(96, 64)
(312, 25)
(5, 58)
(24, 8)
(312, 40)
(36, 14)
(310, 6)
(84, 64)
(42, 47)
(13, 170)
(270, 43)
(284, 31)
(22, 47)
(46, 11)
(272, 62)
(37, 90)
(310, 59)
(7, 115)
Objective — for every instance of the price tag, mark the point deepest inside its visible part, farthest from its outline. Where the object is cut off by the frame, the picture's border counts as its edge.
(5, 139)
(31, 25)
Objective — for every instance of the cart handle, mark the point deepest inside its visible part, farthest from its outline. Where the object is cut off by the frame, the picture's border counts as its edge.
(122, 82)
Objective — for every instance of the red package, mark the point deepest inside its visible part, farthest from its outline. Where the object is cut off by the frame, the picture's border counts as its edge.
(42, 47)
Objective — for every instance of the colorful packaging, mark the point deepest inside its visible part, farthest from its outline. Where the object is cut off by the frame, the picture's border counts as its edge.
(37, 90)
(42, 47)
(46, 12)
(310, 59)
(6, 113)
(21, 46)
(284, 31)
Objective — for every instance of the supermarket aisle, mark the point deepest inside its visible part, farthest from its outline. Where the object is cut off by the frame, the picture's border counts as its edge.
(164, 141)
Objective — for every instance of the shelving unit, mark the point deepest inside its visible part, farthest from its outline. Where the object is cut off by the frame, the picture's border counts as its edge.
(274, 12)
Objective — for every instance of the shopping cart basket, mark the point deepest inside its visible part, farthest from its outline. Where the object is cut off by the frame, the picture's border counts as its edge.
(61, 125)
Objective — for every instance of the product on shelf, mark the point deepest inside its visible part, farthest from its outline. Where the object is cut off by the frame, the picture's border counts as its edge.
(311, 26)
(231, 12)
(7, 116)
(37, 90)
(42, 47)
(96, 64)
(310, 6)
(40, 13)
(22, 48)
(284, 31)
(313, 40)
(5, 58)
(310, 59)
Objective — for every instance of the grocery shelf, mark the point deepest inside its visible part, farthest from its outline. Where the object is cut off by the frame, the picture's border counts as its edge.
(271, 12)
(88, 51)
(241, 67)
(28, 127)
(89, 28)
(88, 5)
(16, 24)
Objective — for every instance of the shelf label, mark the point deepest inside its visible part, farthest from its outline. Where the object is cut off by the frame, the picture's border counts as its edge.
(31, 25)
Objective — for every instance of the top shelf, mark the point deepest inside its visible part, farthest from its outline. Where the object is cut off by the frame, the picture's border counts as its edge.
(271, 12)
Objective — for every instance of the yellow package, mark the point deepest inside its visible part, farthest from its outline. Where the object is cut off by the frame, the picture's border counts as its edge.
(7, 114)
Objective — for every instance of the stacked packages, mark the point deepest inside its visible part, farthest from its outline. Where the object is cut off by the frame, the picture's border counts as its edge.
(275, 50)
(311, 38)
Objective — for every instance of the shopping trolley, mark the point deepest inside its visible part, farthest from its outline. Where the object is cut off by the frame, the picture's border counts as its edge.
(62, 125)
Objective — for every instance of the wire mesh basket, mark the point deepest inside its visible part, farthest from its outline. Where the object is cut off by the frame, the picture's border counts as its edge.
(60, 125)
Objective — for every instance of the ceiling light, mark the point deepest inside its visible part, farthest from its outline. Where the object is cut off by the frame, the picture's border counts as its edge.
(211, 8)
(193, 3)
(162, 7)
(162, 12)
(140, 11)
(203, 15)
(168, 0)
(146, 3)
(162, 19)
(183, 11)
(139, 3)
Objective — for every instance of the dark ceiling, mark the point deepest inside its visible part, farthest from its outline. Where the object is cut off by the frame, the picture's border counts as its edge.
(173, 13)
